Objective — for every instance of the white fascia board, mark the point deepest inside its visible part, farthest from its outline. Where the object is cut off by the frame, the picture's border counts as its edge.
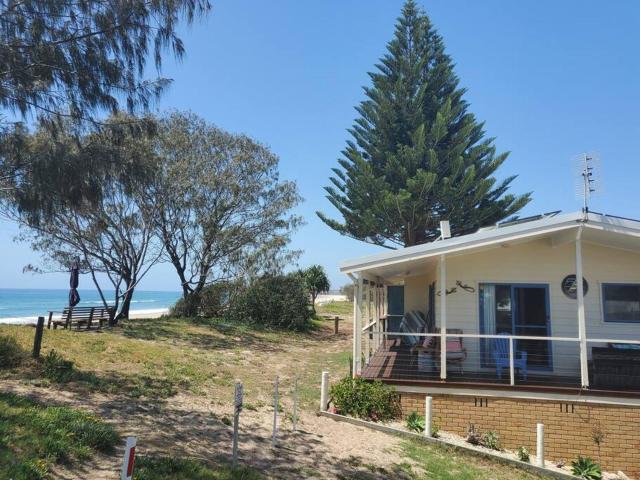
(491, 237)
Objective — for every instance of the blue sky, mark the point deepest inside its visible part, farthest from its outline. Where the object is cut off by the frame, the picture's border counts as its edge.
(550, 79)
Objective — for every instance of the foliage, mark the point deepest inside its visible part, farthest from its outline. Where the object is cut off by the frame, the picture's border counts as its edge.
(78, 58)
(111, 232)
(11, 353)
(44, 435)
(474, 437)
(316, 281)
(491, 440)
(347, 290)
(417, 155)
(171, 468)
(523, 454)
(369, 400)
(434, 462)
(56, 368)
(220, 209)
(415, 422)
(585, 467)
(278, 301)
(212, 301)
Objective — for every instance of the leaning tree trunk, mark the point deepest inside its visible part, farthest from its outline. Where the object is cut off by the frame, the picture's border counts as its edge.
(126, 302)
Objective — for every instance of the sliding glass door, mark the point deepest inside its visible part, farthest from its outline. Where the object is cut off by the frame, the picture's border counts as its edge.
(516, 309)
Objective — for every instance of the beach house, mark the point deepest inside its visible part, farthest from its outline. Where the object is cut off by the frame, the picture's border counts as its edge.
(533, 320)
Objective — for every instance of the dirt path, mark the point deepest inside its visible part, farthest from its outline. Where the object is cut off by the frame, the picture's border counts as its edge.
(194, 427)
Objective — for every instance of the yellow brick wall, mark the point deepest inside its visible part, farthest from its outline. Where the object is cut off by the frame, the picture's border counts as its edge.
(567, 434)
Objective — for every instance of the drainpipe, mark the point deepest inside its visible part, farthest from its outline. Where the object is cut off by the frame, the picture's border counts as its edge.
(582, 329)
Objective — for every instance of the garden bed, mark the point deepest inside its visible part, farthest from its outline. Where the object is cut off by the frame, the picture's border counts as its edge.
(450, 440)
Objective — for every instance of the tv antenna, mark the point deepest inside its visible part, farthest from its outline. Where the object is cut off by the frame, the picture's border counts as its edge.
(588, 178)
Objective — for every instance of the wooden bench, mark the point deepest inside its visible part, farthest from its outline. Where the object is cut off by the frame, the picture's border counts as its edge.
(81, 316)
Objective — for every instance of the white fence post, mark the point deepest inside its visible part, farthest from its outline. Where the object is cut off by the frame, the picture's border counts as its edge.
(428, 416)
(237, 408)
(129, 458)
(275, 413)
(512, 372)
(295, 404)
(324, 391)
(540, 445)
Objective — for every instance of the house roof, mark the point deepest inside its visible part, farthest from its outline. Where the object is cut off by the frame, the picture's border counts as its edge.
(598, 228)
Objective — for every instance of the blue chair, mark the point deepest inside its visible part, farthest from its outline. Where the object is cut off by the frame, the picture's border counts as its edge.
(501, 356)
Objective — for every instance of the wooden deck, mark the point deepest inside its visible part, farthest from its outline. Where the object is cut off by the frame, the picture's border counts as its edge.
(395, 363)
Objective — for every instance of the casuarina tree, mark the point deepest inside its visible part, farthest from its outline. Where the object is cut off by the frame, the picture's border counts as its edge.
(417, 156)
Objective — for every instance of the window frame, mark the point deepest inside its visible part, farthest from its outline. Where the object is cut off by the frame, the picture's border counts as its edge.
(604, 301)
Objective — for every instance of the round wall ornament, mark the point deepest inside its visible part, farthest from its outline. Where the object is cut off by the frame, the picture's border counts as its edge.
(570, 287)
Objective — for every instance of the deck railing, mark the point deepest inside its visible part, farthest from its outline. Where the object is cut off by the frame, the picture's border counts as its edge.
(613, 364)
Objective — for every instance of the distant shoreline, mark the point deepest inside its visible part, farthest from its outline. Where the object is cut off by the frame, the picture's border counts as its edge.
(133, 314)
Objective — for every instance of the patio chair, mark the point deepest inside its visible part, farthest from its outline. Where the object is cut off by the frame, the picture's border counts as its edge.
(501, 356)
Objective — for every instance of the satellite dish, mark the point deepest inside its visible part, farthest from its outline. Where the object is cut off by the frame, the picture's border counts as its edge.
(445, 229)
(587, 178)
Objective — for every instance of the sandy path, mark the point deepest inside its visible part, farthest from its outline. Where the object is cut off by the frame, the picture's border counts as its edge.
(192, 426)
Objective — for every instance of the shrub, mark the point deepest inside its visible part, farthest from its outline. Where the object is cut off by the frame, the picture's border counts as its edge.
(491, 440)
(415, 422)
(273, 301)
(585, 467)
(367, 400)
(212, 301)
(56, 368)
(473, 435)
(11, 353)
(523, 454)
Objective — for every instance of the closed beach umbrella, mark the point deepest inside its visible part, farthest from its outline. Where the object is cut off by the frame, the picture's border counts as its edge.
(74, 296)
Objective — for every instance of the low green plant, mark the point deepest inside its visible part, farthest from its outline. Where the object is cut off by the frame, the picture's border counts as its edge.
(11, 353)
(586, 468)
(364, 399)
(435, 430)
(415, 422)
(56, 368)
(172, 468)
(491, 440)
(42, 436)
(473, 435)
(523, 454)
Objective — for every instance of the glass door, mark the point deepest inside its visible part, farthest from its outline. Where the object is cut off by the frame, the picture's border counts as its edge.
(516, 309)
(531, 318)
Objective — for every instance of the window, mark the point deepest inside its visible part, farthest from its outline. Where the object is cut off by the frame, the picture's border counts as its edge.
(621, 302)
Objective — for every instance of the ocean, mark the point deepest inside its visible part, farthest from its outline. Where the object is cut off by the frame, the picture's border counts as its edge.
(25, 305)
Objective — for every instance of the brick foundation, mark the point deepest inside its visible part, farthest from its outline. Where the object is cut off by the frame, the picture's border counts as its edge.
(569, 427)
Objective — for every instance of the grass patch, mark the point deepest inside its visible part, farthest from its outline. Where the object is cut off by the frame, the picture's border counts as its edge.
(157, 358)
(170, 468)
(34, 437)
(335, 308)
(438, 463)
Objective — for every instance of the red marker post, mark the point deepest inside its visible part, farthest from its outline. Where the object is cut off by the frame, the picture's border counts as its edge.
(128, 460)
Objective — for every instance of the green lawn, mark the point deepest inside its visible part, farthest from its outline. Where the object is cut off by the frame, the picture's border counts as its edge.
(34, 437)
(168, 468)
(335, 308)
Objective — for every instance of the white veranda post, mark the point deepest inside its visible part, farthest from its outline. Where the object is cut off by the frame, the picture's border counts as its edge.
(582, 329)
(357, 323)
(443, 318)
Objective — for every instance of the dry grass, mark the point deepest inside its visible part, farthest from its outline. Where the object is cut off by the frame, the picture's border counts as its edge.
(160, 357)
